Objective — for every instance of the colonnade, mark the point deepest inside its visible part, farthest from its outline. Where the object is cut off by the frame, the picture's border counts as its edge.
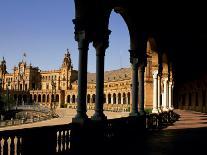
(162, 92)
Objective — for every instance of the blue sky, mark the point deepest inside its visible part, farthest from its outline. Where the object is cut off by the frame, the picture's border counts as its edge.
(43, 29)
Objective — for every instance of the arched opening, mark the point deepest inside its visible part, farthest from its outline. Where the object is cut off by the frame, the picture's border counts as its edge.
(35, 98)
(57, 98)
(43, 98)
(114, 98)
(52, 98)
(128, 96)
(25, 98)
(39, 98)
(93, 98)
(109, 98)
(118, 56)
(124, 98)
(48, 98)
(68, 99)
(88, 98)
(119, 98)
(73, 99)
(30, 98)
(20, 99)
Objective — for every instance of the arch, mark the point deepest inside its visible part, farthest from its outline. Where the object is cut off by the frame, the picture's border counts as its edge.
(52, 98)
(128, 96)
(124, 98)
(48, 98)
(39, 98)
(57, 98)
(93, 98)
(30, 98)
(19, 98)
(68, 99)
(73, 99)
(43, 98)
(88, 98)
(109, 98)
(35, 98)
(119, 98)
(25, 98)
(114, 98)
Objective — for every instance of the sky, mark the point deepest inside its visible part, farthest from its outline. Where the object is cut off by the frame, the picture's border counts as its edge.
(43, 29)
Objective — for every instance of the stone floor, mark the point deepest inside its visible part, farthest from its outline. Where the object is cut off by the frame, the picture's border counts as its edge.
(186, 136)
(66, 116)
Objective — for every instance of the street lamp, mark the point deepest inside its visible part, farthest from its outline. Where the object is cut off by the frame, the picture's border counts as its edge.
(53, 99)
(8, 92)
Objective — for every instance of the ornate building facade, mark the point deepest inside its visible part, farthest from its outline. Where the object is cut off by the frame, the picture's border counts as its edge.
(30, 85)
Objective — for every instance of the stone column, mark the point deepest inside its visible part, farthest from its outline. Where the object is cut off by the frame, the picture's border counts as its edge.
(83, 44)
(165, 94)
(159, 93)
(100, 54)
(141, 70)
(155, 92)
(134, 90)
(170, 96)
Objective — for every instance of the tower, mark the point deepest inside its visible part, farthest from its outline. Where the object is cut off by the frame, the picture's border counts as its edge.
(2, 68)
(66, 70)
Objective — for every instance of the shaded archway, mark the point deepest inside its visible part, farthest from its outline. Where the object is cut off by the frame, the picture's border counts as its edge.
(109, 98)
(88, 98)
(43, 98)
(39, 98)
(68, 99)
(57, 98)
(114, 98)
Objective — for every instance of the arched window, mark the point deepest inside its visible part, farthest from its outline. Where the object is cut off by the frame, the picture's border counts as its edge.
(88, 98)
(73, 99)
(128, 96)
(35, 98)
(124, 98)
(48, 98)
(52, 97)
(68, 99)
(43, 98)
(109, 98)
(57, 98)
(119, 98)
(30, 98)
(114, 98)
(93, 98)
(39, 98)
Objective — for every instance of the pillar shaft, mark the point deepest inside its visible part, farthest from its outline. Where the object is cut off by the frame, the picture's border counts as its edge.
(100, 53)
(170, 96)
(155, 92)
(141, 70)
(159, 92)
(82, 80)
(134, 109)
(165, 94)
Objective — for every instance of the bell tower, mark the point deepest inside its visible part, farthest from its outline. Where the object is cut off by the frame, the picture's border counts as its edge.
(2, 68)
(66, 70)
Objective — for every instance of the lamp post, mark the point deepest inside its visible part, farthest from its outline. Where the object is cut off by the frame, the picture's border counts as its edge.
(7, 88)
(0, 93)
(53, 100)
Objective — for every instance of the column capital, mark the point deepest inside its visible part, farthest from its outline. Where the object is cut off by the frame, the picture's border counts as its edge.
(155, 74)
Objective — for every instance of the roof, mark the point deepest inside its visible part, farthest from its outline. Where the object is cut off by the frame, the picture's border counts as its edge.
(113, 75)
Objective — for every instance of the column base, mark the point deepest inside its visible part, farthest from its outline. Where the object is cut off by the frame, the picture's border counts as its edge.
(135, 114)
(142, 113)
(155, 111)
(171, 108)
(80, 118)
(165, 109)
(98, 116)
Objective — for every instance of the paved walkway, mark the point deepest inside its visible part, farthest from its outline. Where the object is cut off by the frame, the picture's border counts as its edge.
(186, 136)
(66, 116)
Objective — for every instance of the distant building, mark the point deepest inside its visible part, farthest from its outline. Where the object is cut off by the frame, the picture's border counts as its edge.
(30, 85)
